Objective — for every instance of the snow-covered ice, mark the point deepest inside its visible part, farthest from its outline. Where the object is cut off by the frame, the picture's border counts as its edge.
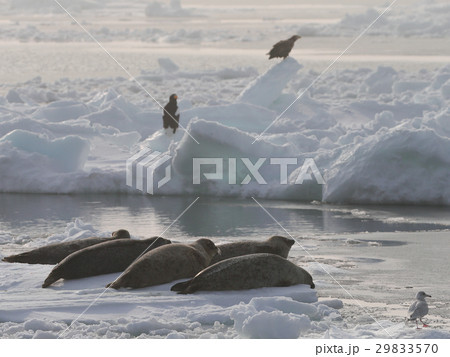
(430, 18)
(292, 312)
(376, 125)
(374, 136)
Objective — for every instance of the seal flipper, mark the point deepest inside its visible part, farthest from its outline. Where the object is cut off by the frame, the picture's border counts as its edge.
(18, 258)
(181, 287)
(50, 280)
(114, 285)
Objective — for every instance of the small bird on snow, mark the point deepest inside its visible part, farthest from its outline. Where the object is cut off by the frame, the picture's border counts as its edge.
(418, 308)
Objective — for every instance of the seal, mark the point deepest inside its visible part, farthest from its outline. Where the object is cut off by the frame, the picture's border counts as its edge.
(54, 253)
(246, 272)
(103, 258)
(275, 245)
(166, 264)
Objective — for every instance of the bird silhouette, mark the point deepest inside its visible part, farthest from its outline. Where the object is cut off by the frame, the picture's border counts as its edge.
(282, 48)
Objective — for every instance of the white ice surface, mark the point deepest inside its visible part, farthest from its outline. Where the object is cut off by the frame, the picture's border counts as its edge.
(373, 134)
(28, 311)
(378, 135)
(428, 18)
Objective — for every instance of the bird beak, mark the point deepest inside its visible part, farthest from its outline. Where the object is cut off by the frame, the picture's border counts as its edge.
(427, 295)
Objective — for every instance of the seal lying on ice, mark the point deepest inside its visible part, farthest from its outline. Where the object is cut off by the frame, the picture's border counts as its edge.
(54, 253)
(166, 264)
(275, 245)
(246, 272)
(102, 258)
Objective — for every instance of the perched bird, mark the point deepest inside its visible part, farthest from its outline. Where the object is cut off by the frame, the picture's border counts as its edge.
(418, 308)
(170, 117)
(282, 48)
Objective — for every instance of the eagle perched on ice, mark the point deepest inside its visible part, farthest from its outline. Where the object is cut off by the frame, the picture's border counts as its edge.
(282, 48)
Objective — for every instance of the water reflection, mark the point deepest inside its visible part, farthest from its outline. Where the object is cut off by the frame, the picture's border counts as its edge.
(143, 215)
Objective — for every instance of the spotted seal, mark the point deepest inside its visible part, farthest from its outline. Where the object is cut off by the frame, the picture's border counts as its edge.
(54, 253)
(275, 245)
(166, 264)
(102, 258)
(246, 272)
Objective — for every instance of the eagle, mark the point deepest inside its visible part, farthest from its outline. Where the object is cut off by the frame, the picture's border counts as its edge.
(282, 48)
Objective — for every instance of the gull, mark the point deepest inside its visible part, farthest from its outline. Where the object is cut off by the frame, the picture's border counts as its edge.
(418, 308)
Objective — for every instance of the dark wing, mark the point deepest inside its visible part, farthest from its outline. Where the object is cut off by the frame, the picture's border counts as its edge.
(278, 49)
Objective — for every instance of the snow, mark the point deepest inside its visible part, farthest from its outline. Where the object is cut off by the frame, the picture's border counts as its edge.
(405, 154)
(132, 314)
(168, 65)
(374, 146)
(290, 312)
(68, 153)
(77, 230)
(267, 88)
(377, 129)
(158, 9)
(13, 97)
(429, 19)
(260, 313)
(275, 324)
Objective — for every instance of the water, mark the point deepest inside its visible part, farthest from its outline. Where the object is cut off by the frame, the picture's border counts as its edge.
(386, 253)
(41, 215)
(383, 254)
